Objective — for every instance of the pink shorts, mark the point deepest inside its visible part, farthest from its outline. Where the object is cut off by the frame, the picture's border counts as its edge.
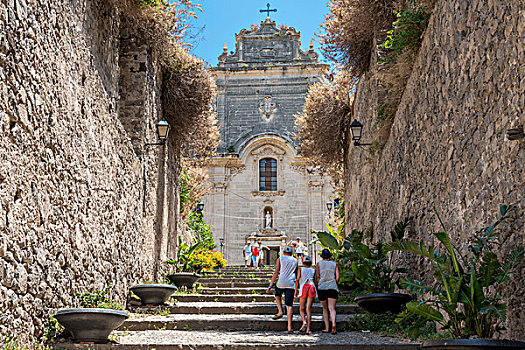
(308, 291)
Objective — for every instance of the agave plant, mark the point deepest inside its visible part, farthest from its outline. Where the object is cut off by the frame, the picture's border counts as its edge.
(466, 298)
(368, 266)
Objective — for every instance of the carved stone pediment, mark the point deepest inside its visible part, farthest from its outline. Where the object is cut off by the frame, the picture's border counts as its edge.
(268, 150)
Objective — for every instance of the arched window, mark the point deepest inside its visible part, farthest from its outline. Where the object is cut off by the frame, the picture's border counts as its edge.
(268, 174)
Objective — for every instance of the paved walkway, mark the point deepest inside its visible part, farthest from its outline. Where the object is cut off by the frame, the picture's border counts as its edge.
(231, 314)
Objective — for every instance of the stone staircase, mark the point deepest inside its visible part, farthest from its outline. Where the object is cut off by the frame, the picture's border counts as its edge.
(231, 311)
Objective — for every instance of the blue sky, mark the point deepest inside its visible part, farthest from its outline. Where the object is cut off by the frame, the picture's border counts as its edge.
(223, 18)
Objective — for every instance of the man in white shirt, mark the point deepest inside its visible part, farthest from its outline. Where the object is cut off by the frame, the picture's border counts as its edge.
(247, 252)
(299, 249)
(286, 270)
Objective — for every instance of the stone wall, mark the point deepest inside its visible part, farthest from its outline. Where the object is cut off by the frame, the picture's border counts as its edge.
(447, 147)
(83, 203)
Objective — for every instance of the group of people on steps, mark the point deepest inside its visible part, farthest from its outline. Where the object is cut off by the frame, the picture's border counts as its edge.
(254, 254)
(306, 283)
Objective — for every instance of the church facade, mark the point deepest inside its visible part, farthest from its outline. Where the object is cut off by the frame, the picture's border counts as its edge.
(262, 189)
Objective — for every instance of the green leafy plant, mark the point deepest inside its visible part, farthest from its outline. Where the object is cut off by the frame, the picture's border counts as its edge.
(201, 230)
(97, 299)
(52, 330)
(183, 261)
(385, 324)
(409, 26)
(465, 297)
(11, 342)
(367, 267)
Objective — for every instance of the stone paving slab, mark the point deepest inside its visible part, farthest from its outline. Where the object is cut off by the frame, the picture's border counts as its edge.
(233, 291)
(237, 298)
(234, 284)
(233, 279)
(247, 340)
(138, 322)
(234, 308)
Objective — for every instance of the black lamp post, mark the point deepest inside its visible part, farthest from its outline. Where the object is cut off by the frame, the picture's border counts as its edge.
(329, 205)
(200, 207)
(356, 128)
(222, 244)
(163, 129)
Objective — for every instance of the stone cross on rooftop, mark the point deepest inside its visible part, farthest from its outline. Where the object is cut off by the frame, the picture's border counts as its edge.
(268, 10)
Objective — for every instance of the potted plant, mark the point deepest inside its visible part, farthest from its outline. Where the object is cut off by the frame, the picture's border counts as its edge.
(185, 275)
(371, 268)
(465, 297)
(153, 294)
(96, 318)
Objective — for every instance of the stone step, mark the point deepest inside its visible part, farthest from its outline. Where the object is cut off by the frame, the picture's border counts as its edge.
(237, 298)
(235, 284)
(233, 279)
(248, 340)
(242, 268)
(233, 308)
(256, 276)
(252, 272)
(233, 291)
(201, 322)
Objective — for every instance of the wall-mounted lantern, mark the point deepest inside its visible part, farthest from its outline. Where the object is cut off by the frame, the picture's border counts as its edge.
(356, 128)
(329, 205)
(163, 129)
(200, 207)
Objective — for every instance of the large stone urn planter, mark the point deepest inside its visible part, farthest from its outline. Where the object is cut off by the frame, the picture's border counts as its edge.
(184, 279)
(91, 324)
(379, 303)
(472, 344)
(153, 294)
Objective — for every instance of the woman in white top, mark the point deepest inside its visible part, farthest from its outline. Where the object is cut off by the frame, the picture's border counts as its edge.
(326, 278)
(305, 290)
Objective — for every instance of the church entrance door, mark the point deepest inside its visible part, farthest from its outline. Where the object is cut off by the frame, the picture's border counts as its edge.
(272, 255)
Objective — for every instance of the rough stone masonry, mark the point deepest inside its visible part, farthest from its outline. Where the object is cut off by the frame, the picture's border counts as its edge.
(447, 147)
(82, 202)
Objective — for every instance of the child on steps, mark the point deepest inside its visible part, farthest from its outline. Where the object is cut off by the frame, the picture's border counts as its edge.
(305, 288)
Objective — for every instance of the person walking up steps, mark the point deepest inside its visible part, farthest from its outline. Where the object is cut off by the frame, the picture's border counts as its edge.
(286, 269)
(255, 256)
(305, 290)
(247, 253)
(326, 278)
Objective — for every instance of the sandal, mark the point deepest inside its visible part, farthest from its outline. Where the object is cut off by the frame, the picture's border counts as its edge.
(334, 331)
(290, 332)
(303, 328)
(276, 317)
(325, 331)
(308, 332)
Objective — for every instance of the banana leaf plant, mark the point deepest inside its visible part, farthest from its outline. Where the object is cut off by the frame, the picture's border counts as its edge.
(466, 296)
(370, 267)
(183, 262)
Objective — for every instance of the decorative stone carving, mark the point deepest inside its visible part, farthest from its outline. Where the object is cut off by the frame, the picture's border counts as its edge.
(219, 187)
(267, 107)
(268, 150)
(268, 193)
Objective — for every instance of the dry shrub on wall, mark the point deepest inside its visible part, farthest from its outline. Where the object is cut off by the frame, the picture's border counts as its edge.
(187, 97)
(347, 34)
(187, 89)
(323, 123)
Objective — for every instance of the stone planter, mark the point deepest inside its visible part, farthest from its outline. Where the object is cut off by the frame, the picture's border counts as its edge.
(184, 279)
(153, 294)
(91, 324)
(379, 303)
(472, 344)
